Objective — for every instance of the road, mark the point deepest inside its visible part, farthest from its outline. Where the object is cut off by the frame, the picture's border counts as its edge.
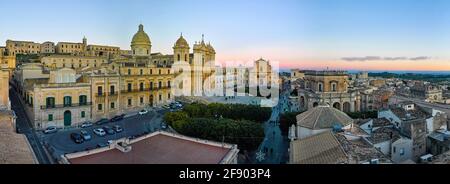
(275, 145)
(60, 142)
(24, 126)
(441, 107)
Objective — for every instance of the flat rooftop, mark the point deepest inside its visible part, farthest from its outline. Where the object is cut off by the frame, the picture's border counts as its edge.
(160, 148)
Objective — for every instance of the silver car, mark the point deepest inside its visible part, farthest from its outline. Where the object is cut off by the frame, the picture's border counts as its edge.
(50, 129)
(86, 136)
(99, 132)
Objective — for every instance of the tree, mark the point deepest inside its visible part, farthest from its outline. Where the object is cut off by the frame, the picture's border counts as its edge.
(171, 117)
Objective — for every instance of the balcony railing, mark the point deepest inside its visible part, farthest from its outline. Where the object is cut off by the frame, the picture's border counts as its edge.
(65, 105)
(144, 90)
(105, 94)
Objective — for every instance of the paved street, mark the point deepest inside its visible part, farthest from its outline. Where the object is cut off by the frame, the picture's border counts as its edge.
(24, 126)
(275, 145)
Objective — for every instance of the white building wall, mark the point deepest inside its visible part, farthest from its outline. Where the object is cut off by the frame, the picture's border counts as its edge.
(404, 144)
(384, 147)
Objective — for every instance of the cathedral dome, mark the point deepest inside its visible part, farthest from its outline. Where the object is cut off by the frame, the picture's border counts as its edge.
(181, 42)
(140, 38)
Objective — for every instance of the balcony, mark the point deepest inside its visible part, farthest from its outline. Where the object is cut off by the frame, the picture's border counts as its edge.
(65, 106)
(107, 94)
(144, 90)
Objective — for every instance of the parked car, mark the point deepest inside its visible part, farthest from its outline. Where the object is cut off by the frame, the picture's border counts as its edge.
(101, 145)
(99, 132)
(102, 121)
(50, 129)
(109, 130)
(166, 106)
(117, 128)
(77, 138)
(117, 118)
(86, 136)
(143, 111)
(86, 124)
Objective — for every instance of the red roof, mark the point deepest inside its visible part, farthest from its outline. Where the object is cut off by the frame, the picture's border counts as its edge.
(159, 149)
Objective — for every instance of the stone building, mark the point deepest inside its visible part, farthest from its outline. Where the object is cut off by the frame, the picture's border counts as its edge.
(72, 61)
(22, 47)
(59, 101)
(297, 74)
(8, 60)
(48, 48)
(377, 83)
(329, 87)
(71, 48)
(428, 92)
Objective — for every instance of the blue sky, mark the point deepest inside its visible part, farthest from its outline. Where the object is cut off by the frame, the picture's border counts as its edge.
(310, 33)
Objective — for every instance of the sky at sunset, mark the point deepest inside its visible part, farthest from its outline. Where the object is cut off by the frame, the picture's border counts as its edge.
(307, 34)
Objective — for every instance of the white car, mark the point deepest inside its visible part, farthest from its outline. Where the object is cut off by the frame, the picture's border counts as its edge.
(100, 132)
(86, 124)
(50, 129)
(143, 111)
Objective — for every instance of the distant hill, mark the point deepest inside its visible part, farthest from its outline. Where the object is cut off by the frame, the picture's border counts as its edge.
(412, 76)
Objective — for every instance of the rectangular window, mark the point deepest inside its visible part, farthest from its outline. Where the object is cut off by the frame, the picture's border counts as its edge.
(112, 105)
(151, 71)
(100, 107)
(160, 97)
(168, 95)
(129, 87)
(159, 85)
(83, 114)
(402, 151)
(50, 117)
(141, 100)
(168, 84)
(129, 102)
(100, 90)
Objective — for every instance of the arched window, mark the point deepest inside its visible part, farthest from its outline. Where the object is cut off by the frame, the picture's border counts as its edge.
(333, 86)
(178, 56)
(320, 88)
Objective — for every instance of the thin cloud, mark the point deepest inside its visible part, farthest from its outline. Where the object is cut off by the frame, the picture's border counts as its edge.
(378, 58)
